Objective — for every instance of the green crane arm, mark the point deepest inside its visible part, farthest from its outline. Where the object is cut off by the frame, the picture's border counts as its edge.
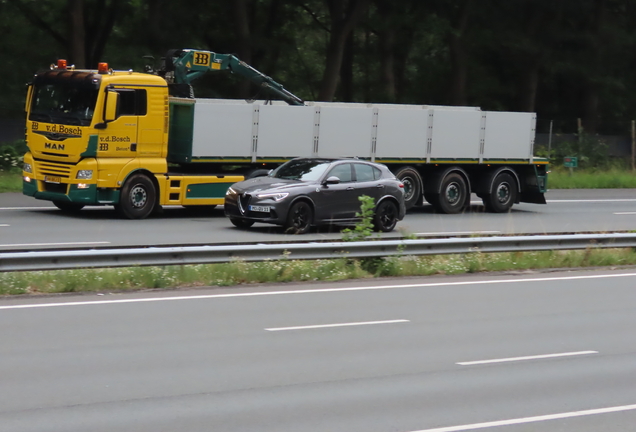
(189, 64)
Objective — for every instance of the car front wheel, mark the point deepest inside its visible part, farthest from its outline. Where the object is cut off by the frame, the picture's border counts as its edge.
(299, 218)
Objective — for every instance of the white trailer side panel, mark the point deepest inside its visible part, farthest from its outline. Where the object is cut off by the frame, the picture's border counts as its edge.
(345, 132)
(509, 135)
(285, 131)
(222, 130)
(402, 133)
(456, 134)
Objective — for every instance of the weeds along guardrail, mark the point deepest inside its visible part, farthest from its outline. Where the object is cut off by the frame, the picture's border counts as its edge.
(162, 256)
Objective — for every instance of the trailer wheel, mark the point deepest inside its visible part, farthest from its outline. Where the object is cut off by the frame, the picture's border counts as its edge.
(503, 194)
(299, 218)
(412, 186)
(452, 197)
(241, 223)
(68, 207)
(385, 217)
(138, 198)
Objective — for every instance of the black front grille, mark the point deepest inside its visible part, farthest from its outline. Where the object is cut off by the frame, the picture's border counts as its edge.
(54, 187)
(244, 202)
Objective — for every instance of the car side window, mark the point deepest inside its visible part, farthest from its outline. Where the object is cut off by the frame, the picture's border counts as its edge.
(343, 172)
(366, 173)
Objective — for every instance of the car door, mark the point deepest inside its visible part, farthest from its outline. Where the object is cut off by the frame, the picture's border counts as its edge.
(368, 181)
(337, 201)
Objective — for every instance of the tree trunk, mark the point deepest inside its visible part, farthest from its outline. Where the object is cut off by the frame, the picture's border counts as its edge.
(344, 15)
(592, 81)
(459, 59)
(346, 72)
(387, 39)
(77, 42)
(243, 41)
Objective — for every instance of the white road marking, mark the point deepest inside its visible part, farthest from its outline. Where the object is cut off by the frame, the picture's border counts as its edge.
(534, 419)
(53, 244)
(457, 233)
(592, 200)
(313, 291)
(535, 357)
(337, 325)
(28, 208)
(4, 225)
(625, 213)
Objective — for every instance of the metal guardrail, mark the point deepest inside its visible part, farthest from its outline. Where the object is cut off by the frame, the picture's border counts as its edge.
(160, 256)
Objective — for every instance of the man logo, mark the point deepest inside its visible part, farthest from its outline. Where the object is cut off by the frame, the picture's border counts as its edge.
(53, 146)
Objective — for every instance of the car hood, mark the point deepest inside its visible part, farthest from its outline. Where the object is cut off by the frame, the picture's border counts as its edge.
(259, 184)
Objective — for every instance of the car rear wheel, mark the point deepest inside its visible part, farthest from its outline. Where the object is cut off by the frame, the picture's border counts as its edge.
(386, 216)
(241, 223)
(299, 218)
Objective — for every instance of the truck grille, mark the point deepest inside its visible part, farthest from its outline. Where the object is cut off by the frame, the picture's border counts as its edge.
(53, 169)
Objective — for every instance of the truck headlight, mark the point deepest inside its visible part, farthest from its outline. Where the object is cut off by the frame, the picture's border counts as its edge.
(27, 168)
(276, 196)
(84, 175)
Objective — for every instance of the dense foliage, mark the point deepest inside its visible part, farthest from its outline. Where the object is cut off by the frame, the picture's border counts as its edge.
(564, 59)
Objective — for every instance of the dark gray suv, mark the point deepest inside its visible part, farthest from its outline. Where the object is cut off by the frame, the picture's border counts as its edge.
(306, 192)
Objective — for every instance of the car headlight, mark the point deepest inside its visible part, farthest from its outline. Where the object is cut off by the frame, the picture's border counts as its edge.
(27, 168)
(276, 196)
(230, 191)
(84, 174)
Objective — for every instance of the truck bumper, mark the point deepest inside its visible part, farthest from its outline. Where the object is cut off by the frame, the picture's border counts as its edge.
(88, 195)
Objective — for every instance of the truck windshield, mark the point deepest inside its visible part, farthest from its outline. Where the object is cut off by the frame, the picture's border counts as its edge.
(63, 104)
(302, 169)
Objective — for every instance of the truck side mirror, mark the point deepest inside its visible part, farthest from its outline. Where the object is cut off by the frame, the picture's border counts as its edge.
(112, 106)
(27, 103)
(111, 109)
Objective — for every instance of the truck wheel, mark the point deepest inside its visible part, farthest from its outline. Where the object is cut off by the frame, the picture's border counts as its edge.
(452, 195)
(412, 186)
(138, 197)
(68, 207)
(241, 223)
(299, 218)
(503, 194)
(385, 217)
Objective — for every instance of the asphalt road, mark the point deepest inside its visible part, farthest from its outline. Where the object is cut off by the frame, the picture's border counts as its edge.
(26, 223)
(525, 352)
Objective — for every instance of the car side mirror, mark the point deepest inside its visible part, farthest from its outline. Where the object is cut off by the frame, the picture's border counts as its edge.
(331, 180)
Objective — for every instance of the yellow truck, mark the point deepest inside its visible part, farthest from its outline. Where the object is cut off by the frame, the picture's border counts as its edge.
(139, 141)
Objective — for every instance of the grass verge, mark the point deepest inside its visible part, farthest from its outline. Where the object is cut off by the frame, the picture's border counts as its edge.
(11, 181)
(238, 272)
(591, 178)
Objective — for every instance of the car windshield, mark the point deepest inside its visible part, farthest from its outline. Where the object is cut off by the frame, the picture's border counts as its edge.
(302, 169)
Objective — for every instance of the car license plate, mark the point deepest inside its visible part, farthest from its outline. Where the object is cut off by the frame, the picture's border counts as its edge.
(51, 179)
(259, 209)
